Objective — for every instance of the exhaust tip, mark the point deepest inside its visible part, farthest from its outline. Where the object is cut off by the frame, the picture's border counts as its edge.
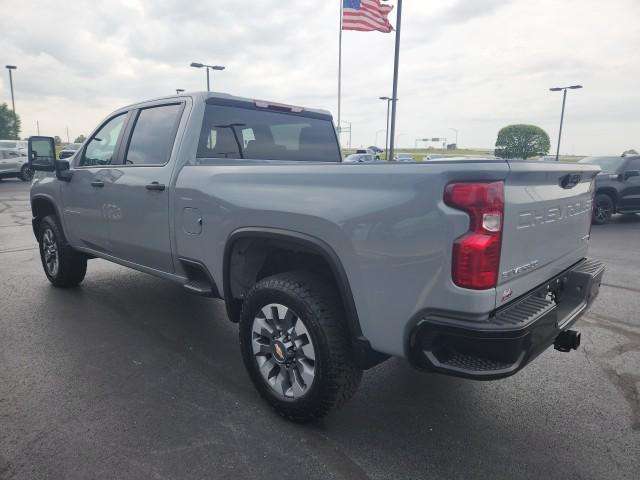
(567, 341)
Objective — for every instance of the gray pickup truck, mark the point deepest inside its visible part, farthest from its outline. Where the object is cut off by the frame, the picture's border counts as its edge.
(466, 267)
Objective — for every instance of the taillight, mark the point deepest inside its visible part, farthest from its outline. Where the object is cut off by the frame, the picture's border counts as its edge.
(476, 254)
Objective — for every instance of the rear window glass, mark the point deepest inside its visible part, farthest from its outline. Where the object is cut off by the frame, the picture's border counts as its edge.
(244, 133)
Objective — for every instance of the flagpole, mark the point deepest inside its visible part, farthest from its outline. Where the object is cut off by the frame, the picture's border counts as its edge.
(340, 69)
(394, 97)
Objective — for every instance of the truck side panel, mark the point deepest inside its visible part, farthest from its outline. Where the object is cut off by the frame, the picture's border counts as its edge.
(387, 223)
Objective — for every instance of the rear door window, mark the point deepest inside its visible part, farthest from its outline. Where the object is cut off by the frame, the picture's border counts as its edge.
(256, 134)
(153, 135)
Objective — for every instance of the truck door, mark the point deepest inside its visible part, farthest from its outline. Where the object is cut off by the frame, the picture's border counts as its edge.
(629, 199)
(86, 211)
(140, 233)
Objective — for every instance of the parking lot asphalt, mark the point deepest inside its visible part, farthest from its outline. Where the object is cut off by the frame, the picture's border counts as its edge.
(131, 377)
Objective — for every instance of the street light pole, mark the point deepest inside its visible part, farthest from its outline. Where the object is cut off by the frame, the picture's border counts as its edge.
(13, 101)
(564, 101)
(207, 67)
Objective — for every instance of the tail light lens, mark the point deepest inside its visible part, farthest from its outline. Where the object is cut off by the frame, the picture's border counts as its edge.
(476, 254)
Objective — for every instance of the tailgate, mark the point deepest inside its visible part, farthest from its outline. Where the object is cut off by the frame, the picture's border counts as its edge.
(547, 221)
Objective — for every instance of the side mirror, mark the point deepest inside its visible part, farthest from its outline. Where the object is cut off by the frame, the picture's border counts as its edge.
(42, 154)
(631, 173)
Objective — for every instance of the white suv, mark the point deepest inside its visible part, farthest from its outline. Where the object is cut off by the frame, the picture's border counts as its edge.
(13, 163)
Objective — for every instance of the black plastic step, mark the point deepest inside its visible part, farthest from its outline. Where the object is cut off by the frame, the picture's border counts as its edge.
(472, 363)
(524, 311)
(199, 287)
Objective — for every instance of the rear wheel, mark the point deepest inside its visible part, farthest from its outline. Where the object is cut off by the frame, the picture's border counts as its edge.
(602, 209)
(26, 173)
(295, 346)
(63, 266)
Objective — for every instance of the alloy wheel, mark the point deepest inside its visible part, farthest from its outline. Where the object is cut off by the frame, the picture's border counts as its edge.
(602, 211)
(283, 351)
(50, 252)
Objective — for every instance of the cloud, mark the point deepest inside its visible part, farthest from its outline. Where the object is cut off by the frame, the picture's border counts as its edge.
(475, 65)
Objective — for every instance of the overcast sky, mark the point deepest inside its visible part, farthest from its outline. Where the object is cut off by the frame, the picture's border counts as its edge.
(474, 65)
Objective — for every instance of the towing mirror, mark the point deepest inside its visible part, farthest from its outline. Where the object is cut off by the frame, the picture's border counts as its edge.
(42, 153)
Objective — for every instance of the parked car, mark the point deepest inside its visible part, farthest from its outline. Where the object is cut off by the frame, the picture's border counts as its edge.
(369, 151)
(617, 186)
(403, 157)
(327, 268)
(435, 156)
(14, 164)
(360, 158)
(20, 145)
(69, 150)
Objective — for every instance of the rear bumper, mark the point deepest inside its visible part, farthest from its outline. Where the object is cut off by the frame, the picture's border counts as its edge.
(512, 336)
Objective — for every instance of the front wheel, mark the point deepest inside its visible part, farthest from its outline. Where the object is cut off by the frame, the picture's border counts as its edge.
(62, 265)
(602, 209)
(295, 346)
(26, 174)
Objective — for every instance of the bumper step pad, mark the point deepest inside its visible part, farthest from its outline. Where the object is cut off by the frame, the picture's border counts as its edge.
(512, 336)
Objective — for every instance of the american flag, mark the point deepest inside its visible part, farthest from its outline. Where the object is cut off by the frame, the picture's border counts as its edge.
(366, 16)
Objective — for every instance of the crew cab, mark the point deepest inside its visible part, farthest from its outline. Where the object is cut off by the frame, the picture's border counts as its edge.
(463, 267)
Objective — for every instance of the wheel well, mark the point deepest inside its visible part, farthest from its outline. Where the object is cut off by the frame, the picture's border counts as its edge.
(40, 208)
(610, 192)
(251, 255)
(252, 259)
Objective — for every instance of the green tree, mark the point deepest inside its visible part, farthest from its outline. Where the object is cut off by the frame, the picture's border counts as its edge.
(57, 139)
(9, 128)
(80, 139)
(522, 141)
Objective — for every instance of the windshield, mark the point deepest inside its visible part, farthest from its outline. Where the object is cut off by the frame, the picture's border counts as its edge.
(249, 133)
(8, 144)
(606, 164)
(72, 146)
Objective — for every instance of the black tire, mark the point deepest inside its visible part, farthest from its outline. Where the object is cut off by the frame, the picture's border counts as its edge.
(314, 301)
(26, 173)
(602, 209)
(71, 265)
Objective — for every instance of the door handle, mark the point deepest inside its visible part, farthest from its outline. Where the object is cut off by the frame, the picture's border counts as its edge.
(97, 183)
(156, 186)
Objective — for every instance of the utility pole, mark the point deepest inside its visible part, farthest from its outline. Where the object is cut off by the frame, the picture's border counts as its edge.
(68, 141)
(13, 101)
